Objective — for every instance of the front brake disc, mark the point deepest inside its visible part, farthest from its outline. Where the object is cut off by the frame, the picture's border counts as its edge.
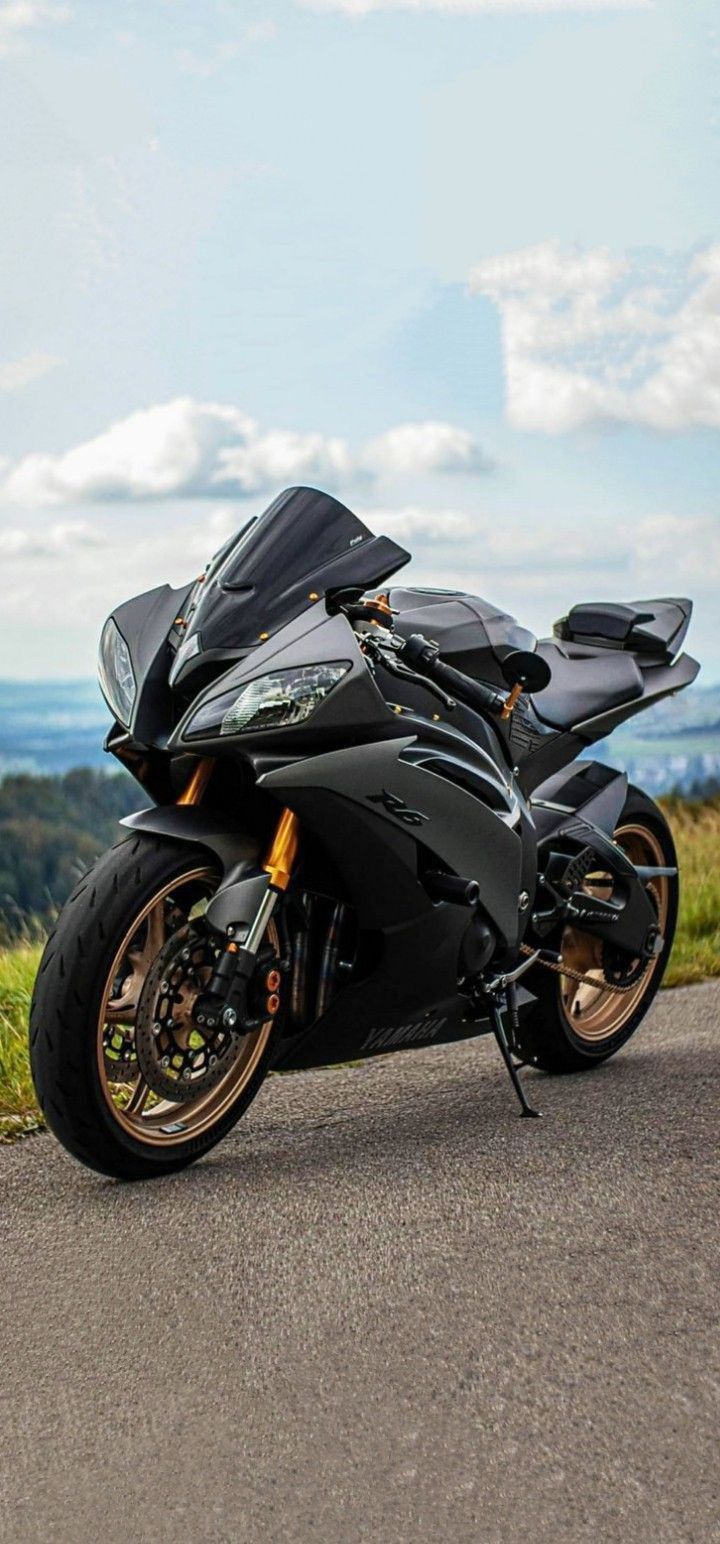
(179, 1059)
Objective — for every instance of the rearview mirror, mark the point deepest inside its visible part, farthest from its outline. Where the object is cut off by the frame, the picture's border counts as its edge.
(528, 671)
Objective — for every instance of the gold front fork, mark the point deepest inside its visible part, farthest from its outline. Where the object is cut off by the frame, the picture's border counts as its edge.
(283, 851)
(193, 792)
(284, 846)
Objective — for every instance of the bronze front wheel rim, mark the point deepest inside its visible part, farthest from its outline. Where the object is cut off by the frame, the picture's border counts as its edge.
(141, 1114)
(596, 1014)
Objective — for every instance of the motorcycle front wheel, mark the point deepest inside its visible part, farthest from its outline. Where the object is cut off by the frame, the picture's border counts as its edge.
(133, 919)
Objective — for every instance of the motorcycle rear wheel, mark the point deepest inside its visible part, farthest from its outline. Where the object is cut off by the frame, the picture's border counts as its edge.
(574, 1026)
(87, 1078)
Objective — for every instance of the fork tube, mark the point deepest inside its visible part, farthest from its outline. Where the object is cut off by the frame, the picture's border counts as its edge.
(278, 866)
(194, 790)
(258, 926)
(282, 854)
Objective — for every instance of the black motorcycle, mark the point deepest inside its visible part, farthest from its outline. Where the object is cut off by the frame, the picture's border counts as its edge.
(369, 832)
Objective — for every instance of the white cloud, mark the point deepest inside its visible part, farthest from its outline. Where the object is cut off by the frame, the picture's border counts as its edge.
(280, 456)
(412, 520)
(194, 449)
(153, 453)
(655, 553)
(55, 541)
(475, 7)
(686, 549)
(512, 543)
(593, 338)
(177, 448)
(424, 447)
(16, 373)
(17, 17)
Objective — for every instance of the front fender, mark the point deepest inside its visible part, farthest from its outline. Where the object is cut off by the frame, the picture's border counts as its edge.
(243, 885)
(230, 843)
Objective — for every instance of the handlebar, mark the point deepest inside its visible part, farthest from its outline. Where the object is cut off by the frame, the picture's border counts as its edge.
(423, 657)
(417, 657)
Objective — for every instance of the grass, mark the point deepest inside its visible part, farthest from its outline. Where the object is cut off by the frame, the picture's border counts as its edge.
(695, 957)
(696, 828)
(18, 1111)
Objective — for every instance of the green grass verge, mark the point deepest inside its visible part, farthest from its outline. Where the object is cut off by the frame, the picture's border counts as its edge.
(696, 828)
(18, 1111)
(695, 957)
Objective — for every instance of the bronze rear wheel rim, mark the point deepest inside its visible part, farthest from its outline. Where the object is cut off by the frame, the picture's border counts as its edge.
(596, 1014)
(140, 1113)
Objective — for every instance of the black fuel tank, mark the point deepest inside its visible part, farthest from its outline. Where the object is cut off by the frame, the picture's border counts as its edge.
(472, 634)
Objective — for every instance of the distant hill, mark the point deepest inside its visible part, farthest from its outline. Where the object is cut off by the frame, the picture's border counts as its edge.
(51, 728)
(673, 746)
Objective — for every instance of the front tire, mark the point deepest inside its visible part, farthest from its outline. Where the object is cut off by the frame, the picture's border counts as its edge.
(574, 1026)
(86, 1074)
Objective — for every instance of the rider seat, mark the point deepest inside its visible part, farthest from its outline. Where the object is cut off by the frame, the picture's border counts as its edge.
(584, 682)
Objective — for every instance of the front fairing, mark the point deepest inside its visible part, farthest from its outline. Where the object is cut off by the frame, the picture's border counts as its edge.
(146, 622)
(272, 572)
(355, 709)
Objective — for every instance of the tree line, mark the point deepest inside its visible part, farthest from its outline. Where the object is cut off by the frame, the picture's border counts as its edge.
(51, 830)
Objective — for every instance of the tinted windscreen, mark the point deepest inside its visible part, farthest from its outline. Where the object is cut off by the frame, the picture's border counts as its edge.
(304, 544)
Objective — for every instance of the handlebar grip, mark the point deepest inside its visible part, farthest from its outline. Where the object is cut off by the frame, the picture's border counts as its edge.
(424, 658)
(473, 693)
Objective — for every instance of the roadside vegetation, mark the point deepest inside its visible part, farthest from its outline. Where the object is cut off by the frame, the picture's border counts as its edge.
(696, 828)
(18, 1111)
(51, 828)
(695, 957)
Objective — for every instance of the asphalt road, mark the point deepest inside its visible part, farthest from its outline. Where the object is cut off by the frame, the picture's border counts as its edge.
(386, 1309)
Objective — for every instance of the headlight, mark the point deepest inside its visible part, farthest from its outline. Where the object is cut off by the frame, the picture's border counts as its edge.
(115, 673)
(277, 701)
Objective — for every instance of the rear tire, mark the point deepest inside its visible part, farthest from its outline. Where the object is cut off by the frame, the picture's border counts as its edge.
(552, 1037)
(78, 1101)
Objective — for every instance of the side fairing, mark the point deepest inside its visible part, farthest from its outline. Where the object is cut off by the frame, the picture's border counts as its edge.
(386, 798)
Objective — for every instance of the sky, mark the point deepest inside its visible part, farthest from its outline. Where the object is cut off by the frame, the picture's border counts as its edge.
(456, 261)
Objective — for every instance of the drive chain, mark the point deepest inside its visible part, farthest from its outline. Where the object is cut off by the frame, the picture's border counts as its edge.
(577, 975)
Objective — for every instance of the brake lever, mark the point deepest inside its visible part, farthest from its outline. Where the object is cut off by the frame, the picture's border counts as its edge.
(428, 686)
(394, 667)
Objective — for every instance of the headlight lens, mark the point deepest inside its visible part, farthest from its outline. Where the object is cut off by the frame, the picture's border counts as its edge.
(277, 701)
(115, 673)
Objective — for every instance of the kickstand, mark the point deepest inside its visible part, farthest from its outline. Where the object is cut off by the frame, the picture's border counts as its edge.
(496, 1008)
